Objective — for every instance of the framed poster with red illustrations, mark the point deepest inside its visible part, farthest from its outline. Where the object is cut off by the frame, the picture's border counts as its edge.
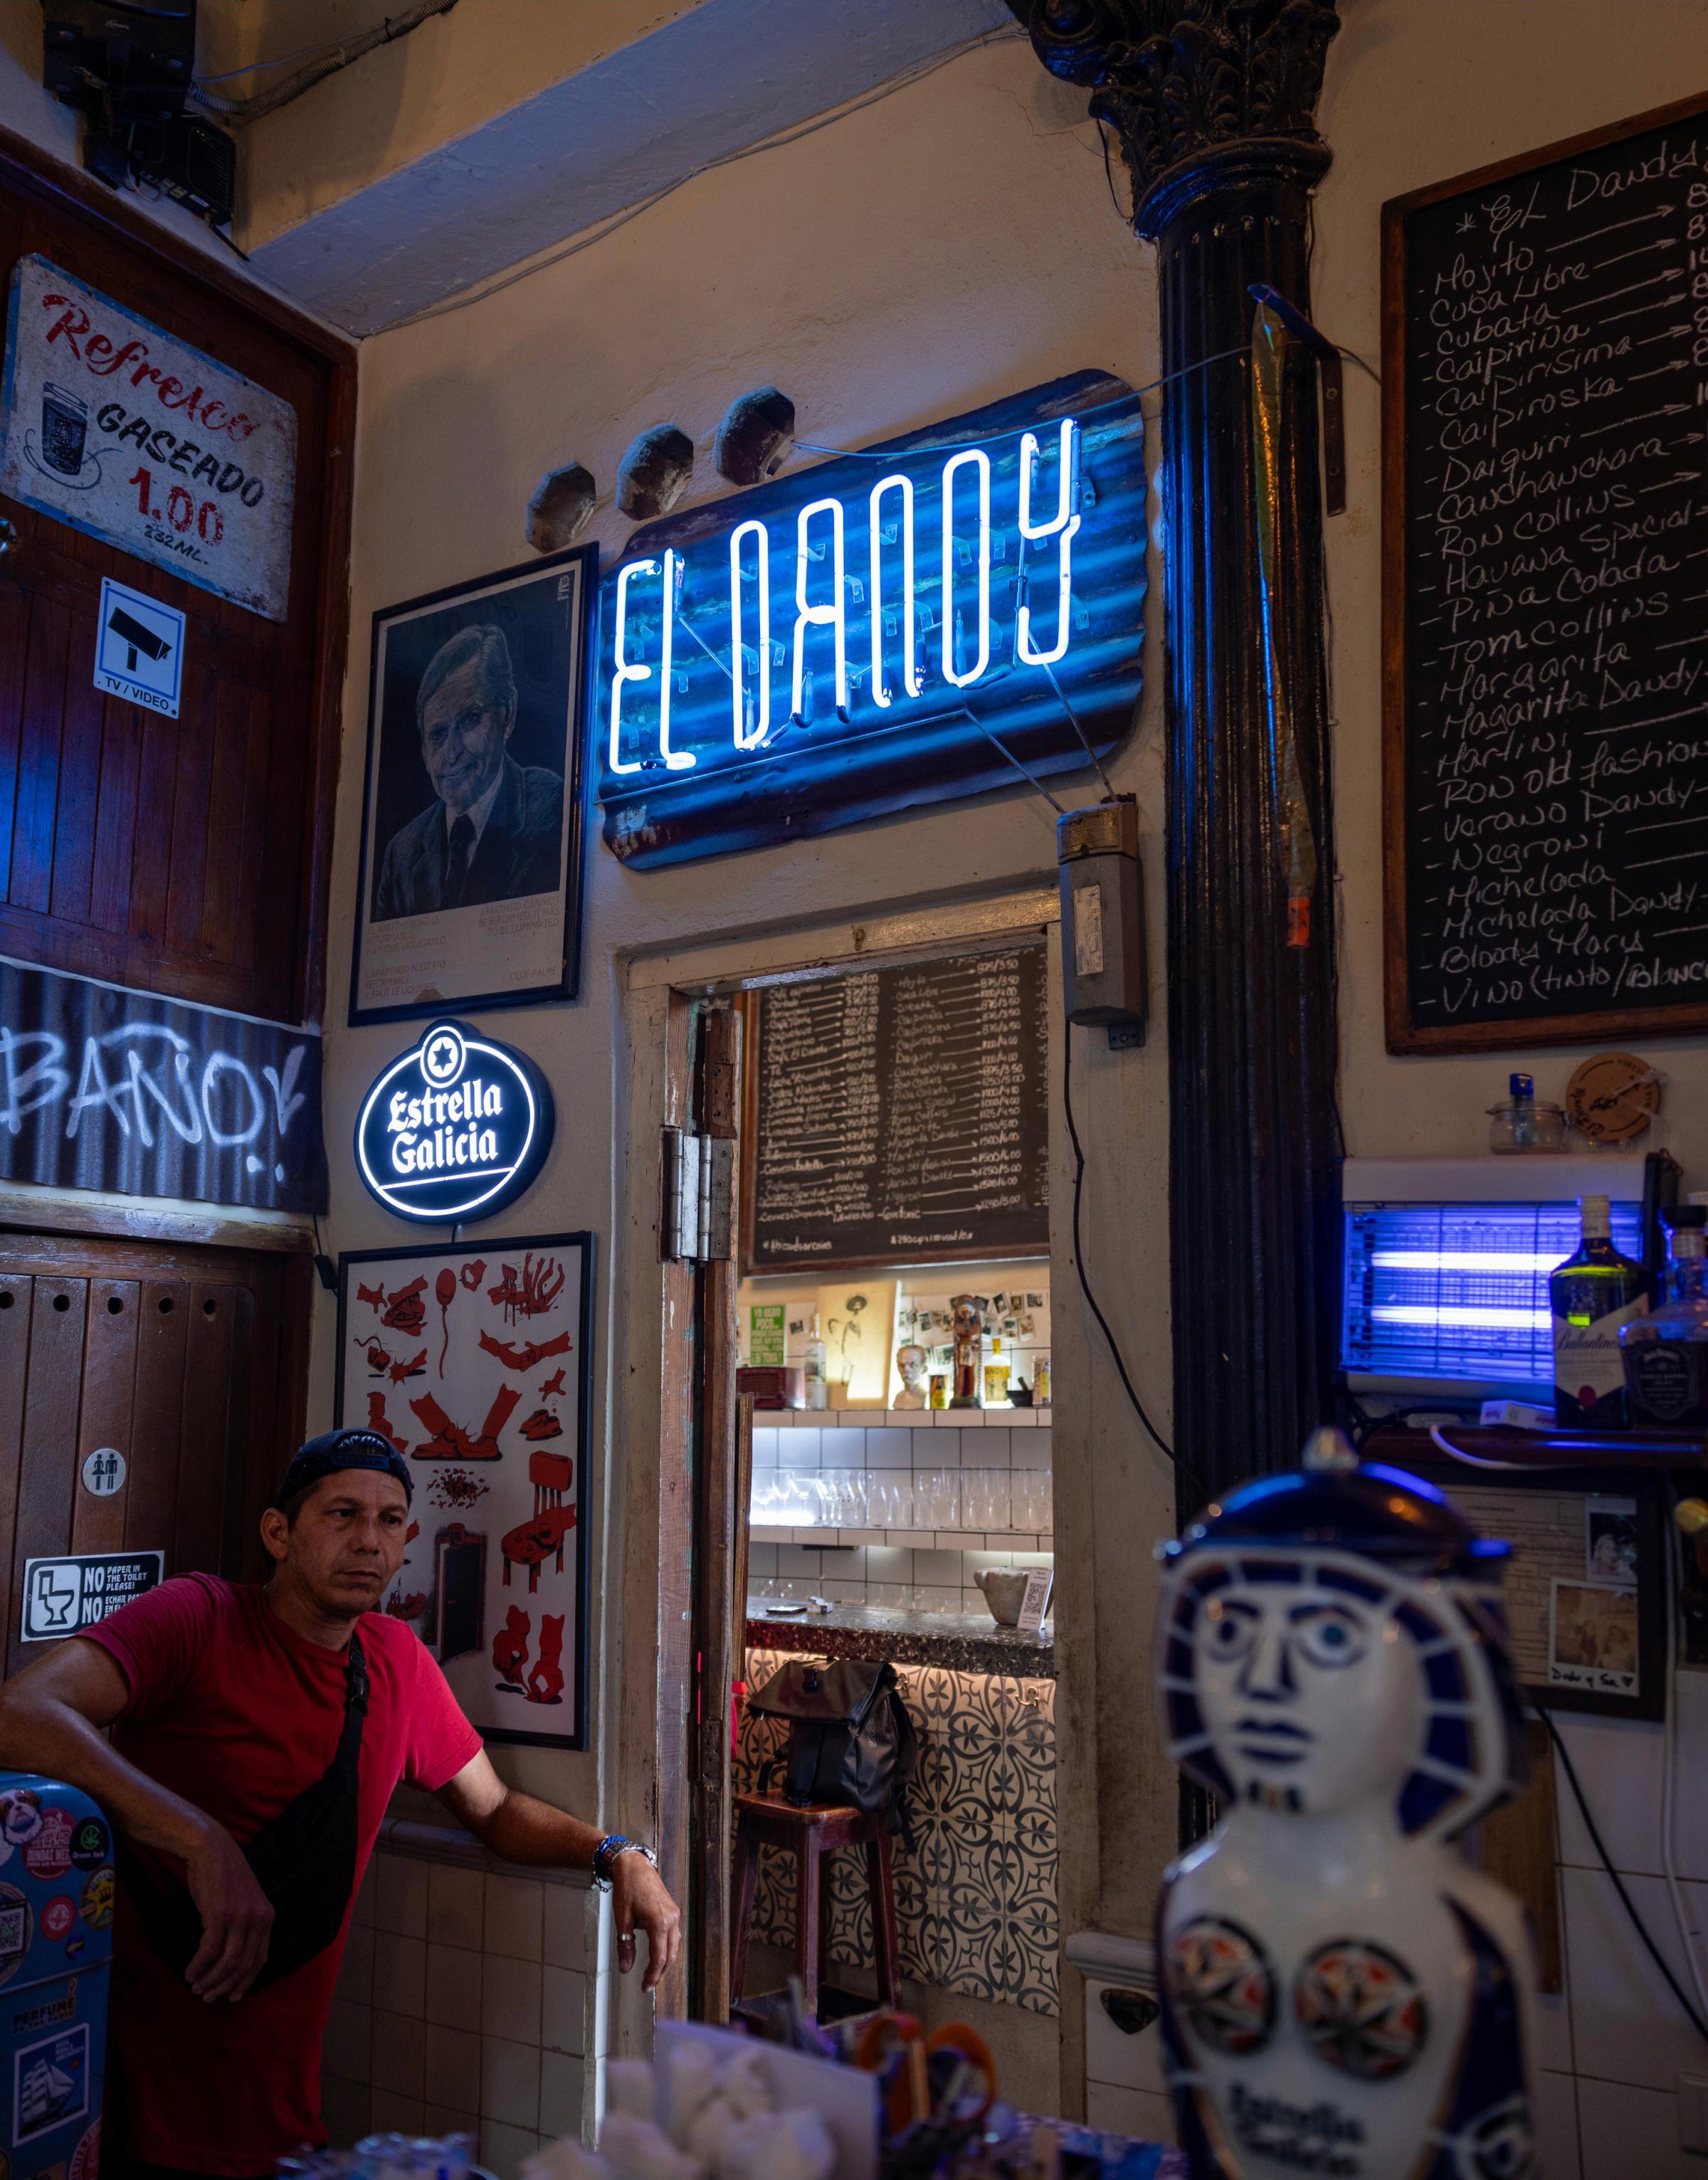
(473, 1359)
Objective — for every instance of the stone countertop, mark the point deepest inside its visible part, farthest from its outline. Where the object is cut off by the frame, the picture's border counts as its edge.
(959, 1641)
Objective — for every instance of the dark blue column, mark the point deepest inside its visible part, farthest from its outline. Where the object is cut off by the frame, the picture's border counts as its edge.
(1213, 101)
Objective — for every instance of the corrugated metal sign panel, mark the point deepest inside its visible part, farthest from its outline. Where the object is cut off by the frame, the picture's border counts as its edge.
(744, 695)
(103, 1087)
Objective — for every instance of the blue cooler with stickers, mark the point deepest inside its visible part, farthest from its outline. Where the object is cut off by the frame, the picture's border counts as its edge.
(56, 1942)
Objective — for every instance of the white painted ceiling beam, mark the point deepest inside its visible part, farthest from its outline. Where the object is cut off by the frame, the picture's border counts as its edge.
(725, 74)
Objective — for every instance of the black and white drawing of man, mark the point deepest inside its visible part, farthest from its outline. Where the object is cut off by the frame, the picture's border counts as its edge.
(494, 831)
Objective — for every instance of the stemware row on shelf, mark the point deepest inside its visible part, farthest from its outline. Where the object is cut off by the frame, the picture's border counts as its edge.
(981, 1500)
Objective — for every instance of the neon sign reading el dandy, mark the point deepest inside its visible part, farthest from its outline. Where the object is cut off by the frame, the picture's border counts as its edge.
(846, 642)
(457, 1125)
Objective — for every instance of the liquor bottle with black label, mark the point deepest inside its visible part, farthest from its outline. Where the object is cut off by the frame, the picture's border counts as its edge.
(1666, 1352)
(1591, 1296)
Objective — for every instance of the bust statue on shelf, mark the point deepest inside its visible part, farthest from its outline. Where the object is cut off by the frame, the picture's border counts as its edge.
(1342, 1994)
(910, 1362)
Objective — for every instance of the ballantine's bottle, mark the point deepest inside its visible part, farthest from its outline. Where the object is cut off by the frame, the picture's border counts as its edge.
(1591, 1295)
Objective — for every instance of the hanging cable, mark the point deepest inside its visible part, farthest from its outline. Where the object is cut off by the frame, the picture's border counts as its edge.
(1182, 1467)
(1637, 1923)
(1669, 1737)
(324, 63)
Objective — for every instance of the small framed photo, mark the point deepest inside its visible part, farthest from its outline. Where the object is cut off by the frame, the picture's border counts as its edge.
(474, 804)
(474, 1359)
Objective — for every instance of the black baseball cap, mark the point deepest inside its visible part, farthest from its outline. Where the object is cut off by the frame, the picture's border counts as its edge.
(352, 1447)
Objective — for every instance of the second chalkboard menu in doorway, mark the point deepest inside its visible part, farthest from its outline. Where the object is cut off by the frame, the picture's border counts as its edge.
(1546, 594)
(901, 1116)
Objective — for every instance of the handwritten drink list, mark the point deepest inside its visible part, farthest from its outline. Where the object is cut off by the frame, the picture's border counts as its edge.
(901, 1115)
(1548, 364)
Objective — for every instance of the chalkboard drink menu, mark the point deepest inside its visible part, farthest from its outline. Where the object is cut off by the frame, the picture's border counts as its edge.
(901, 1116)
(1546, 594)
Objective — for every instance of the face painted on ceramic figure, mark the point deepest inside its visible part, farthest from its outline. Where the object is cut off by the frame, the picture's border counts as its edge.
(1312, 1699)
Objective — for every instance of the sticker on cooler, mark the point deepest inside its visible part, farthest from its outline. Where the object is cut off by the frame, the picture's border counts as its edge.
(17, 1928)
(49, 2083)
(60, 1917)
(139, 648)
(48, 1855)
(96, 1910)
(92, 1844)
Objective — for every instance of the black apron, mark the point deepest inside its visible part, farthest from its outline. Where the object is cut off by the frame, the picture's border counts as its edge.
(304, 1859)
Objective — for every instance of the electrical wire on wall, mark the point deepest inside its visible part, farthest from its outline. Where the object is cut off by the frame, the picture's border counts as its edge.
(1697, 2021)
(1697, 2012)
(1182, 1467)
(326, 61)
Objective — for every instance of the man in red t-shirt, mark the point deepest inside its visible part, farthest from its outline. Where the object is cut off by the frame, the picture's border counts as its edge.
(243, 1773)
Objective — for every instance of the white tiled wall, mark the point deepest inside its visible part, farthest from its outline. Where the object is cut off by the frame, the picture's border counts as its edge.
(1617, 2040)
(471, 2000)
(931, 1568)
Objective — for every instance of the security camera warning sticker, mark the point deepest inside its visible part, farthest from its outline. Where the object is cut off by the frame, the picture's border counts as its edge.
(63, 1597)
(139, 648)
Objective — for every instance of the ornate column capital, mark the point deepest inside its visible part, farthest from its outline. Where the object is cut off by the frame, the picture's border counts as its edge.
(1181, 82)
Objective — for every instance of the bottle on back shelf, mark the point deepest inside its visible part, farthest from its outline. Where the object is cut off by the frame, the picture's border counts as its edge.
(812, 1357)
(996, 1376)
(1665, 1353)
(1592, 1296)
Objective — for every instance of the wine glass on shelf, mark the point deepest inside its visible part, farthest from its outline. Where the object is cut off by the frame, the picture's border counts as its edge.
(1038, 1504)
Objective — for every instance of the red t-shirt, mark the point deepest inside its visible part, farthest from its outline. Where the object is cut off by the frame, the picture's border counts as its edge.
(237, 1712)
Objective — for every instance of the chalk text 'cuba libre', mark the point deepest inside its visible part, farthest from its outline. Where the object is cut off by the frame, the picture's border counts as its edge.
(436, 1131)
(826, 542)
(106, 359)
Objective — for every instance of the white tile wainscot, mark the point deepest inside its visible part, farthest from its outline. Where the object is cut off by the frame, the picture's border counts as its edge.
(472, 1997)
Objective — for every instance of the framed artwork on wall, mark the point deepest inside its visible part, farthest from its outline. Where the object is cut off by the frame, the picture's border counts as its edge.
(1585, 1583)
(472, 1358)
(473, 808)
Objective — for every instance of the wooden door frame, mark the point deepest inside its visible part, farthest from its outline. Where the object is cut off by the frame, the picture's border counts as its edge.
(645, 1727)
(34, 173)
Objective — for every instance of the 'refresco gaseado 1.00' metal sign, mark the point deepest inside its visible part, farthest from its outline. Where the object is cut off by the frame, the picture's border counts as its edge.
(137, 438)
(897, 626)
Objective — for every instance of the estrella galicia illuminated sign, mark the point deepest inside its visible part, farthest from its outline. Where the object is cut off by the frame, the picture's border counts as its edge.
(456, 1128)
(882, 629)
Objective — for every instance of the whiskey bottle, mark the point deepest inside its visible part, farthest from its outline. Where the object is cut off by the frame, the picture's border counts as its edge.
(1666, 1352)
(1592, 1297)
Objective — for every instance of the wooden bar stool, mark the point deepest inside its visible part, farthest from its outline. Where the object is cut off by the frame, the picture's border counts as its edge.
(809, 1833)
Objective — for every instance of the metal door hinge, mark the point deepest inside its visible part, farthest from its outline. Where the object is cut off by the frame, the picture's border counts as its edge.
(699, 1212)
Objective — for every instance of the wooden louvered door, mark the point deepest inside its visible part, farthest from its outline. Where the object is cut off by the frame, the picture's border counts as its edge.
(185, 1361)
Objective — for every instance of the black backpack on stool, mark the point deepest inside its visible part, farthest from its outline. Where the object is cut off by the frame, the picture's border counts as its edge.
(851, 1744)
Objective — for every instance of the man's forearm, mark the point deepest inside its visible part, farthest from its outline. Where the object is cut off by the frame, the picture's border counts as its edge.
(526, 1830)
(38, 1733)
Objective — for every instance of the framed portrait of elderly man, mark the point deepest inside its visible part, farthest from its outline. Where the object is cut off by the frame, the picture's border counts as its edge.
(473, 820)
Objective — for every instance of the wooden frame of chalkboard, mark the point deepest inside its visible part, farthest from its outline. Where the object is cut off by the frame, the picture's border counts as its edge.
(1532, 949)
(977, 1238)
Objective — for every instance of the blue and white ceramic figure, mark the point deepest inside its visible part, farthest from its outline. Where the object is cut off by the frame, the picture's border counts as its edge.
(1342, 1994)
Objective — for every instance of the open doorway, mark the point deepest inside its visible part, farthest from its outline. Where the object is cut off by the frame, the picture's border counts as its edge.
(846, 1505)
